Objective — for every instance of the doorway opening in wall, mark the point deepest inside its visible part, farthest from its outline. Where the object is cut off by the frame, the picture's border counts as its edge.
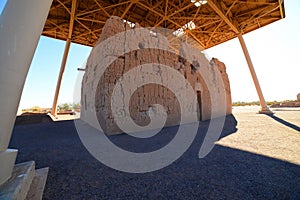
(199, 105)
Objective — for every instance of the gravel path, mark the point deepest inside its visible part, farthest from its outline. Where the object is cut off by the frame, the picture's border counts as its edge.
(226, 173)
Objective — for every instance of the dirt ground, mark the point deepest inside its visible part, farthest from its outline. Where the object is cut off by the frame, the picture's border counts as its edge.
(275, 136)
(256, 157)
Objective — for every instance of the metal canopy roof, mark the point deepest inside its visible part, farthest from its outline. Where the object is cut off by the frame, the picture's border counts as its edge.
(215, 21)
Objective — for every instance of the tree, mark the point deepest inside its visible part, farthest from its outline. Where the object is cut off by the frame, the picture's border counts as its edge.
(35, 108)
(65, 106)
(76, 106)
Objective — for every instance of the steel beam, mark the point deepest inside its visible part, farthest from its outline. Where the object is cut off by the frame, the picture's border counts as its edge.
(223, 16)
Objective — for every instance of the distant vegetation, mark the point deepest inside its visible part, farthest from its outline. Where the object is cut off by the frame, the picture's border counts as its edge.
(61, 107)
(256, 103)
(69, 106)
(36, 109)
(76, 106)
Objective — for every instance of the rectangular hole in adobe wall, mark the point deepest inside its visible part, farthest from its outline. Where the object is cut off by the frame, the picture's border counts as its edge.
(199, 105)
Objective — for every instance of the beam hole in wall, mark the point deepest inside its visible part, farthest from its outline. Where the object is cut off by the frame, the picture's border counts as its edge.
(141, 45)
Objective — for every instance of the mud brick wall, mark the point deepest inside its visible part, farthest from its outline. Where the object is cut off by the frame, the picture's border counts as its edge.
(97, 90)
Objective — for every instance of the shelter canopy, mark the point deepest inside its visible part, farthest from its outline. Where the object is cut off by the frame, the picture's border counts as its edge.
(209, 22)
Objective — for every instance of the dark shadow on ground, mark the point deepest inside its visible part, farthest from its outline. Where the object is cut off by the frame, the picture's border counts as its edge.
(224, 173)
(32, 118)
(229, 127)
(286, 123)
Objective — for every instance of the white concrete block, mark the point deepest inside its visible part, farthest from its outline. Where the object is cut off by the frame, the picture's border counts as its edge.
(17, 187)
(7, 161)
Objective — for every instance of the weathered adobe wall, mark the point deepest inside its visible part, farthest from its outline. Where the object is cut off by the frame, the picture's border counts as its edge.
(144, 97)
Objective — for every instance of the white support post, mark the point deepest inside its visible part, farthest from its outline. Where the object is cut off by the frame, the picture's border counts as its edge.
(264, 108)
(21, 24)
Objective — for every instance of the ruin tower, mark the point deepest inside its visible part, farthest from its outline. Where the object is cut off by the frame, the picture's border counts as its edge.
(198, 71)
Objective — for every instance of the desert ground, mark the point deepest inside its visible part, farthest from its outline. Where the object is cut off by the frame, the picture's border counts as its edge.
(256, 157)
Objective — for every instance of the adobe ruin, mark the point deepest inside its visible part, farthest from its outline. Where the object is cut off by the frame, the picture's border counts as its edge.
(145, 97)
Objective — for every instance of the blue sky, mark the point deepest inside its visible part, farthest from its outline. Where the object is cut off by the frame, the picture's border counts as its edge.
(274, 49)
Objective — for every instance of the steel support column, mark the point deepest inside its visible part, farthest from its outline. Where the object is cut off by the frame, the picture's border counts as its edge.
(61, 72)
(64, 60)
(264, 108)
